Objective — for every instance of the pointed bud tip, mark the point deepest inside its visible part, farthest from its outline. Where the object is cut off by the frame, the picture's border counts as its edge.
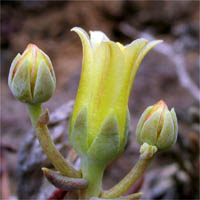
(30, 45)
(160, 105)
(157, 106)
(31, 48)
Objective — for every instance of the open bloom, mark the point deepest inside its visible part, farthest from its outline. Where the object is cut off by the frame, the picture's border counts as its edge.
(108, 72)
(31, 78)
(158, 126)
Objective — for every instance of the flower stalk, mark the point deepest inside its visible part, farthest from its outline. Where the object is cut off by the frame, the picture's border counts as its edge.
(134, 196)
(93, 173)
(146, 156)
(39, 122)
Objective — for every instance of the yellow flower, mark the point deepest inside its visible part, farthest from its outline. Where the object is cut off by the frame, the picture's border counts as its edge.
(108, 72)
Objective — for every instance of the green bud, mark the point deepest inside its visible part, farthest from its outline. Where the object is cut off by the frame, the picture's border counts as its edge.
(158, 126)
(31, 77)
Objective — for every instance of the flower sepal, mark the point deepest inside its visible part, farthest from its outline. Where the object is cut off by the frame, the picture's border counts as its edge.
(105, 145)
(78, 132)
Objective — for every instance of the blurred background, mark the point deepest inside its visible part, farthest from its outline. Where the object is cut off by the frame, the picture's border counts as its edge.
(169, 72)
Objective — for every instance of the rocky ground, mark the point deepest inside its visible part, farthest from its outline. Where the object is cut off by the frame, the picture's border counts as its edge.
(173, 174)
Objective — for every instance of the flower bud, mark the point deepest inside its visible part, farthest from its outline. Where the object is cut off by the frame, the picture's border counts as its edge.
(31, 77)
(158, 126)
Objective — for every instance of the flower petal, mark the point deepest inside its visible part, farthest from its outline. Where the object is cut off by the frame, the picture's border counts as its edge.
(96, 37)
(131, 53)
(133, 49)
(110, 87)
(85, 85)
(140, 57)
(101, 63)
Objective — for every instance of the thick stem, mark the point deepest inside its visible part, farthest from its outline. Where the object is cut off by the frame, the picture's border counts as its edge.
(146, 156)
(93, 173)
(47, 144)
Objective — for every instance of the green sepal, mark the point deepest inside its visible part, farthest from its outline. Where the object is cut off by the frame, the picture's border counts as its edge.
(141, 123)
(167, 135)
(45, 84)
(12, 68)
(174, 118)
(126, 132)
(106, 145)
(78, 132)
(20, 85)
(150, 127)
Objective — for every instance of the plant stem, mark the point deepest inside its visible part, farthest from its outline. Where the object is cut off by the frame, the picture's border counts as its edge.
(146, 156)
(93, 173)
(47, 144)
(132, 196)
